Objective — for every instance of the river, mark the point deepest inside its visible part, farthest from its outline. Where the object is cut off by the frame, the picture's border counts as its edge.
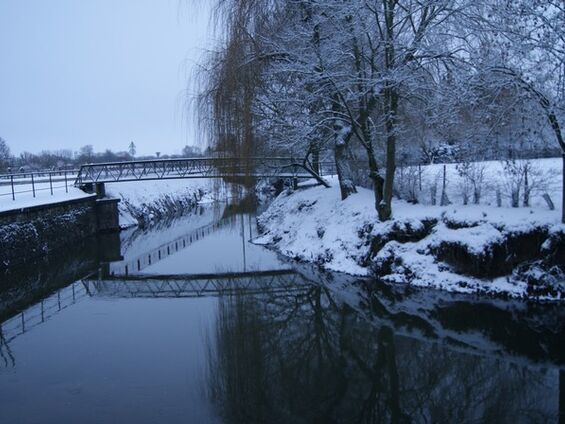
(189, 322)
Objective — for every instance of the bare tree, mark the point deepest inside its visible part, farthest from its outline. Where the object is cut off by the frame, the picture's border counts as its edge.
(532, 35)
(5, 154)
(372, 80)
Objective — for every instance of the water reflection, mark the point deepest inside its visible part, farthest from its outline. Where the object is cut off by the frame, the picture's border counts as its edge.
(309, 357)
(41, 277)
(204, 326)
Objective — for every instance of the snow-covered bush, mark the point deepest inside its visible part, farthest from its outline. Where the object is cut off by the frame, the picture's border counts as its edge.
(521, 180)
(536, 181)
(408, 184)
(472, 176)
(513, 177)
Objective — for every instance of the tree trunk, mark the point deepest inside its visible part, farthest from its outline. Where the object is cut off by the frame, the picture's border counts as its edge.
(344, 174)
(444, 198)
(316, 160)
(526, 202)
(563, 193)
(385, 206)
(476, 195)
(515, 197)
(378, 182)
(390, 93)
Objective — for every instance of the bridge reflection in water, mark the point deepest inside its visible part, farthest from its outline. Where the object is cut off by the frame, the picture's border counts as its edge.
(177, 286)
(113, 275)
(299, 345)
(36, 315)
(198, 285)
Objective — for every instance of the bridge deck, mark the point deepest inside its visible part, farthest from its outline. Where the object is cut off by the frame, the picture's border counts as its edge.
(162, 169)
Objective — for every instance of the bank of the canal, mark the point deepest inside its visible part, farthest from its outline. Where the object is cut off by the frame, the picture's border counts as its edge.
(32, 231)
(214, 329)
(481, 249)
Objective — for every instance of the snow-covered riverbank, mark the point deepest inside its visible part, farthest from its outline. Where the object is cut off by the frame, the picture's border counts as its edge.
(145, 201)
(480, 248)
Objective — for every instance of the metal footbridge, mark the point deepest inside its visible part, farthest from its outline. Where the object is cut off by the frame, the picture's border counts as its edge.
(166, 169)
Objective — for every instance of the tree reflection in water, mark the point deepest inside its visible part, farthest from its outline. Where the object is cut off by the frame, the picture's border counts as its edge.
(306, 357)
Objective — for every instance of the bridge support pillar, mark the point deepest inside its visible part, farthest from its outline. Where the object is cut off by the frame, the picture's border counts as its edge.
(107, 215)
(87, 188)
(100, 189)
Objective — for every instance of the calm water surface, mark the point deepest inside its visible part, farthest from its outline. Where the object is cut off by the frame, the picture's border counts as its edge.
(189, 322)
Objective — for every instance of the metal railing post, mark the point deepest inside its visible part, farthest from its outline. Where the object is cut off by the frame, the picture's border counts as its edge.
(66, 185)
(12, 184)
(32, 185)
(51, 184)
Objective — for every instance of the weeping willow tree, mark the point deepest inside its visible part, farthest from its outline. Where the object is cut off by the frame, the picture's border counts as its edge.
(307, 78)
(230, 77)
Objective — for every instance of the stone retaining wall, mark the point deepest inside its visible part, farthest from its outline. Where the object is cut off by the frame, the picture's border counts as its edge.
(35, 231)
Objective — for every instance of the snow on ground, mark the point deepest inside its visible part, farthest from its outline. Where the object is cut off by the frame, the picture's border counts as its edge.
(139, 199)
(314, 225)
(24, 196)
(545, 176)
(149, 199)
(135, 241)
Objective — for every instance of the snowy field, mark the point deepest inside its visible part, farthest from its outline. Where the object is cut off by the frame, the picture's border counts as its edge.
(490, 177)
(314, 225)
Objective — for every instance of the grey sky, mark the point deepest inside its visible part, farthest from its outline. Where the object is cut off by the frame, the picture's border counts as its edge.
(100, 72)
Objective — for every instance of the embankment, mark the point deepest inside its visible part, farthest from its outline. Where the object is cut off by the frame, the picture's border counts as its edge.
(148, 201)
(35, 231)
(468, 249)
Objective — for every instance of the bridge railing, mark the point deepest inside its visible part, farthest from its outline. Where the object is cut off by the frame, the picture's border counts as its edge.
(192, 168)
(37, 314)
(16, 185)
(162, 252)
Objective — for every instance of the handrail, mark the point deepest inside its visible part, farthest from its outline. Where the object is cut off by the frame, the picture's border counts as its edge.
(202, 159)
(209, 167)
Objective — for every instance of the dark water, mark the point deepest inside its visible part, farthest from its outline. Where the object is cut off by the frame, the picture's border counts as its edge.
(188, 322)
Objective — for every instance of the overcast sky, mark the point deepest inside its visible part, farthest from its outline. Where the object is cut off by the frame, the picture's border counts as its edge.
(100, 72)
